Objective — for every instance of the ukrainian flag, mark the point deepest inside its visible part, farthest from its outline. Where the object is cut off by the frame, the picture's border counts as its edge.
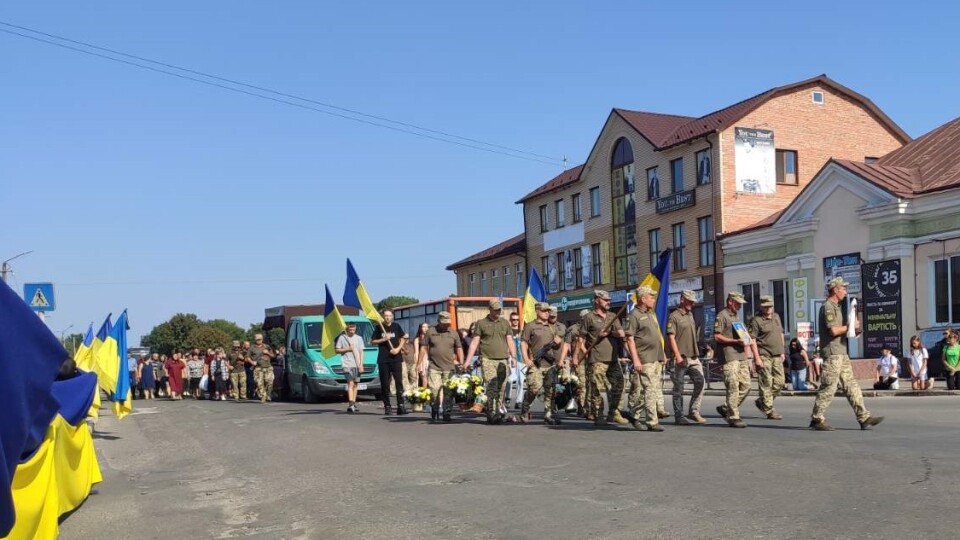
(535, 293)
(333, 325)
(122, 397)
(659, 280)
(104, 352)
(84, 355)
(355, 295)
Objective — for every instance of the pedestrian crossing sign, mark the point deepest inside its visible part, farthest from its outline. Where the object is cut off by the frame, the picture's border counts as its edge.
(39, 296)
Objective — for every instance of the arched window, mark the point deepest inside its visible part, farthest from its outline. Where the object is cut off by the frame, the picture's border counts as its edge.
(624, 214)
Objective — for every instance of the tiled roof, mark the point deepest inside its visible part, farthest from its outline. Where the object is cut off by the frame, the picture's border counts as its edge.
(517, 244)
(652, 126)
(563, 179)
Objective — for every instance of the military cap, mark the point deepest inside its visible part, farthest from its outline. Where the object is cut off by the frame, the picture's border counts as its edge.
(583, 312)
(687, 294)
(553, 310)
(236, 343)
(837, 282)
(496, 304)
(766, 301)
(645, 290)
(600, 293)
(443, 316)
(543, 306)
(737, 297)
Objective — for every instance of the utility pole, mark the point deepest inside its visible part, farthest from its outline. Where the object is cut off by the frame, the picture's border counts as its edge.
(5, 267)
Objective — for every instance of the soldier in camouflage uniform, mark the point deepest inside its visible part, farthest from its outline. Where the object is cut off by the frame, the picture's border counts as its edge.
(573, 348)
(767, 331)
(538, 344)
(238, 373)
(261, 355)
(646, 351)
(832, 327)
(597, 328)
(731, 336)
(494, 339)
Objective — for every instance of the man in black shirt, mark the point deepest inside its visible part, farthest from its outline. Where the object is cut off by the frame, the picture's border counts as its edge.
(390, 337)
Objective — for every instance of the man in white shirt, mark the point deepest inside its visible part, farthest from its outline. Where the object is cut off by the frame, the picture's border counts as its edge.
(350, 348)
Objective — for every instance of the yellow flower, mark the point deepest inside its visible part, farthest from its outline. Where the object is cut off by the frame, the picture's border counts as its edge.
(478, 390)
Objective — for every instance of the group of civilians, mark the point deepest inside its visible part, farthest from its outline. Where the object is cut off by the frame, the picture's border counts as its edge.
(180, 374)
(918, 363)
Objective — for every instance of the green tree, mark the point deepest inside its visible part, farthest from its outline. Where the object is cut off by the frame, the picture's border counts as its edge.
(172, 335)
(229, 328)
(276, 337)
(206, 337)
(255, 328)
(71, 342)
(391, 302)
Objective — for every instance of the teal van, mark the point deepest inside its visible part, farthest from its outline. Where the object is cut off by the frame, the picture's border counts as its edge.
(310, 376)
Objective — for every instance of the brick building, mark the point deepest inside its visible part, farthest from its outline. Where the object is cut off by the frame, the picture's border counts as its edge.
(495, 270)
(653, 181)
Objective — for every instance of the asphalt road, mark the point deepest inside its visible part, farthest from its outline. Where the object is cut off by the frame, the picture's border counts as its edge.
(188, 470)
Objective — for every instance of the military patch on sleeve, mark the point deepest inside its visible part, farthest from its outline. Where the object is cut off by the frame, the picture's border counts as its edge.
(829, 317)
(670, 326)
(717, 326)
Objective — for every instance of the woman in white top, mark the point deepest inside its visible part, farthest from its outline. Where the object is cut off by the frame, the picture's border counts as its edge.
(918, 364)
(887, 368)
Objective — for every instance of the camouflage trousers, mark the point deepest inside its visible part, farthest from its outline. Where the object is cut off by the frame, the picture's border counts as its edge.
(836, 370)
(582, 383)
(263, 377)
(770, 381)
(537, 379)
(609, 376)
(437, 381)
(736, 377)
(495, 382)
(238, 384)
(694, 369)
(651, 394)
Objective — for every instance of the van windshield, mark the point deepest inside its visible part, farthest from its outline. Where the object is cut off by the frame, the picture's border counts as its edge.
(314, 332)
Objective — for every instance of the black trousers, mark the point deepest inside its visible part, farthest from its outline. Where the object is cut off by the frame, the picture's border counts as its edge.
(387, 370)
(953, 381)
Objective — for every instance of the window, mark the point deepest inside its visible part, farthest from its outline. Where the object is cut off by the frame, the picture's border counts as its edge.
(817, 97)
(506, 280)
(946, 290)
(676, 175)
(483, 284)
(679, 247)
(705, 229)
(578, 268)
(704, 167)
(751, 295)
(494, 281)
(653, 239)
(595, 202)
(780, 307)
(624, 215)
(543, 218)
(575, 204)
(473, 284)
(544, 275)
(562, 272)
(521, 286)
(558, 210)
(653, 184)
(597, 265)
(787, 167)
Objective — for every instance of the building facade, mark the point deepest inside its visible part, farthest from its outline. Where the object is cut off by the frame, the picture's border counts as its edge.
(657, 181)
(890, 227)
(495, 271)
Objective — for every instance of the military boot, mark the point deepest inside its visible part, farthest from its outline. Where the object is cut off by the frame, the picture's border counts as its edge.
(871, 421)
(617, 418)
(820, 425)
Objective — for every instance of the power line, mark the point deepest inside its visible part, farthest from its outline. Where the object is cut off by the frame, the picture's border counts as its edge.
(231, 281)
(376, 121)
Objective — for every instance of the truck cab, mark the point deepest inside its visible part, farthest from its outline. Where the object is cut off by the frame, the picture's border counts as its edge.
(310, 376)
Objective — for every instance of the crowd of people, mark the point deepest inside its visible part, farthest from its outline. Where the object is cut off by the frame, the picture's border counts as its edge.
(246, 372)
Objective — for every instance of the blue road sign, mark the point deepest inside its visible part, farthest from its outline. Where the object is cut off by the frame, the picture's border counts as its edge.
(39, 296)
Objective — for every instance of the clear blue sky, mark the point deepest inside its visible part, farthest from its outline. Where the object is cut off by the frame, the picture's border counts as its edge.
(140, 190)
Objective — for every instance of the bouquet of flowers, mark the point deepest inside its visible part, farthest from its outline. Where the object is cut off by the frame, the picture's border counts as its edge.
(467, 388)
(418, 396)
(565, 389)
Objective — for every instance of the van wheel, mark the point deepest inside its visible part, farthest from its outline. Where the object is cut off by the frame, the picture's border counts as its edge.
(306, 392)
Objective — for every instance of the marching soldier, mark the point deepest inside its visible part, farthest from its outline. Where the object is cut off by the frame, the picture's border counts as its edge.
(442, 345)
(538, 344)
(493, 337)
(261, 355)
(682, 344)
(573, 348)
(836, 364)
(646, 351)
(238, 373)
(731, 336)
(597, 328)
(767, 330)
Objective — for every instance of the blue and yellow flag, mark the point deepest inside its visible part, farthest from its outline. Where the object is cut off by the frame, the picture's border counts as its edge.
(535, 293)
(355, 295)
(659, 280)
(30, 357)
(104, 350)
(83, 357)
(333, 325)
(121, 396)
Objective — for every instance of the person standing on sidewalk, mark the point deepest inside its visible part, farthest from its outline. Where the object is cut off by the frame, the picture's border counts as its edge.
(391, 338)
(682, 337)
(603, 367)
(441, 344)
(732, 339)
(645, 343)
(767, 331)
(832, 327)
(493, 337)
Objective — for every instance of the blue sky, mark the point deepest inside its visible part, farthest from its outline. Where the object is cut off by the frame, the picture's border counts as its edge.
(161, 195)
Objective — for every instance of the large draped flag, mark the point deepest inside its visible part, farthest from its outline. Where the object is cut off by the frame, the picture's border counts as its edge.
(103, 351)
(333, 325)
(535, 293)
(30, 357)
(355, 295)
(84, 360)
(121, 395)
(659, 280)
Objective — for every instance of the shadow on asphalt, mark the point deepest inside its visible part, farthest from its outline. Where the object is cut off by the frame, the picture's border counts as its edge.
(105, 436)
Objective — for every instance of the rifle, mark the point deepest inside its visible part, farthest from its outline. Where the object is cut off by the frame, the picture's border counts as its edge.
(606, 327)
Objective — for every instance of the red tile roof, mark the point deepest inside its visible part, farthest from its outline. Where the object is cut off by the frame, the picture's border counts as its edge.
(563, 179)
(654, 127)
(517, 244)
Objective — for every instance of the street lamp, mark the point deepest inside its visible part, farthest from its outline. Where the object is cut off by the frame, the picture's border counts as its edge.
(64, 331)
(5, 267)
